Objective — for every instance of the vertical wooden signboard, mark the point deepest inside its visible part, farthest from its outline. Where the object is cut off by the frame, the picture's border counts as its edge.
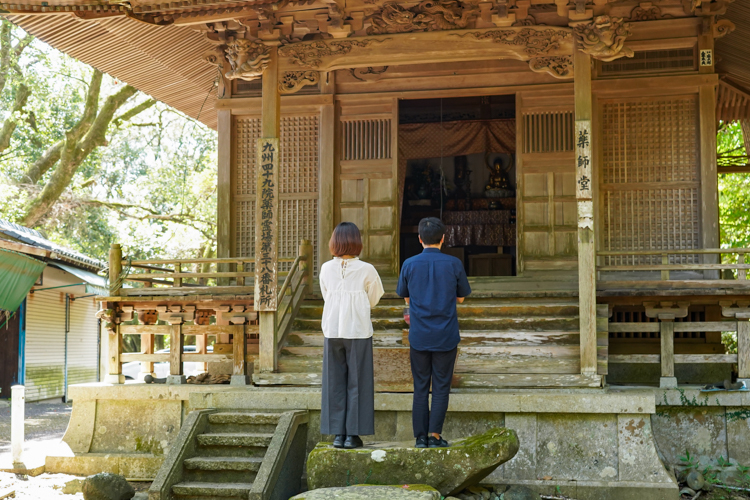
(583, 159)
(267, 215)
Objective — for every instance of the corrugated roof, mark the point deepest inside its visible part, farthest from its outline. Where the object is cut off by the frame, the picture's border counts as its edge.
(35, 238)
(733, 50)
(165, 62)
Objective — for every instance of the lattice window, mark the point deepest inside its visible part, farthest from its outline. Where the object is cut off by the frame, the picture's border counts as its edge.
(650, 177)
(366, 139)
(548, 131)
(651, 61)
(298, 188)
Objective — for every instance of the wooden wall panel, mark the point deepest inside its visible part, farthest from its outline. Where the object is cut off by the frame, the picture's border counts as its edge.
(650, 176)
(298, 188)
(547, 212)
(367, 178)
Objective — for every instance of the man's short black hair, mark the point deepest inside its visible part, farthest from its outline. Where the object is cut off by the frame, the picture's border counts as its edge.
(431, 230)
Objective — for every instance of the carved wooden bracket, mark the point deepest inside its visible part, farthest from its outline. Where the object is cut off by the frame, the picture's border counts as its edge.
(176, 315)
(235, 315)
(369, 73)
(666, 310)
(248, 59)
(723, 27)
(732, 309)
(292, 81)
(604, 38)
(428, 15)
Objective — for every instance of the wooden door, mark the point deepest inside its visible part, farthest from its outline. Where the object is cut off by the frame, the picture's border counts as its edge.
(547, 210)
(9, 353)
(366, 187)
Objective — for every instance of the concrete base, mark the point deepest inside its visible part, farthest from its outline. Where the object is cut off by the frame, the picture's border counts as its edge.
(114, 379)
(176, 379)
(601, 490)
(134, 467)
(239, 380)
(668, 382)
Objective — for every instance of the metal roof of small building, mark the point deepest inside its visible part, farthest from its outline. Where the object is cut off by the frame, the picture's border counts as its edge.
(34, 238)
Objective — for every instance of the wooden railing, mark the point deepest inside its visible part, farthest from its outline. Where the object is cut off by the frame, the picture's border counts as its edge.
(177, 278)
(297, 285)
(667, 357)
(734, 261)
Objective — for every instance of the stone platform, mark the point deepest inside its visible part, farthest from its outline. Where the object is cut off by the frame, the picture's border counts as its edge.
(586, 441)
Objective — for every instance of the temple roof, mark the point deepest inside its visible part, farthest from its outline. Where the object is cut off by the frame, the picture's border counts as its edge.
(167, 61)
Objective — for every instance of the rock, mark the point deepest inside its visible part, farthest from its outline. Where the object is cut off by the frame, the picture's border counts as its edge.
(695, 480)
(106, 486)
(73, 487)
(480, 491)
(372, 492)
(517, 492)
(141, 495)
(449, 470)
(687, 491)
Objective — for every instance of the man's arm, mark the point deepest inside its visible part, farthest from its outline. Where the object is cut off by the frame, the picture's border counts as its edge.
(460, 300)
(402, 289)
(463, 289)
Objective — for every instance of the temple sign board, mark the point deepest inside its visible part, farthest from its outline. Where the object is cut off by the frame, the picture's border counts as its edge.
(266, 245)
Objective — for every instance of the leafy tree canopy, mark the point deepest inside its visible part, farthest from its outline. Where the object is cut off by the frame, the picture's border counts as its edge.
(91, 161)
(734, 189)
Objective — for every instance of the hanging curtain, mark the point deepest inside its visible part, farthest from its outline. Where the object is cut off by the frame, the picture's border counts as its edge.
(448, 139)
(18, 273)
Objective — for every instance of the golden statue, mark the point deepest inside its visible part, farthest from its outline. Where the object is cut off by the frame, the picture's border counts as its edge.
(498, 175)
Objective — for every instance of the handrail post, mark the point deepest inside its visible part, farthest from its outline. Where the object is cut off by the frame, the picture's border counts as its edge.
(306, 251)
(176, 345)
(666, 329)
(115, 269)
(665, 262)
(239, 352)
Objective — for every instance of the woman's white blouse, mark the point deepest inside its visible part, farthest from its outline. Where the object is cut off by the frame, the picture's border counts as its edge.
(350, 289)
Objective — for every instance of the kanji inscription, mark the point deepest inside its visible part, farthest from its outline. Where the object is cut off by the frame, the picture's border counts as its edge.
(267, 210)
(583, 159)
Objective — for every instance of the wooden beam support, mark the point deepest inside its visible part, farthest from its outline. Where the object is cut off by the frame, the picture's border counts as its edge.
(709, 177)
(114, 363)
(743, 351)
(224, 223)
(326, 178)
(239, 351)
(115, 269)
(266, 246)
(666, 330)
(176, 345)
(584, 195)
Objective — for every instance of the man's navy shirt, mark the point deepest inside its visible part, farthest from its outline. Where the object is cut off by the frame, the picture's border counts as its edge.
(432, 280)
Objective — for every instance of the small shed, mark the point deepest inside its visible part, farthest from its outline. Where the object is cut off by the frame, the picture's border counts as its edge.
(49, 335)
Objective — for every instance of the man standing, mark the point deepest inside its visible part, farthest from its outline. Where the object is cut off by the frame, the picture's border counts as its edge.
(432, 283)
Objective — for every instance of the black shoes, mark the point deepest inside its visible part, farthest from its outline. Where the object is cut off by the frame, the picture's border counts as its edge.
(338, 441)
(434, 442)
(421, 442)
(352, 442)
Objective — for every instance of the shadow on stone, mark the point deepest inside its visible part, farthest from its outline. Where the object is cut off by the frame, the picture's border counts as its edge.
(448, 470)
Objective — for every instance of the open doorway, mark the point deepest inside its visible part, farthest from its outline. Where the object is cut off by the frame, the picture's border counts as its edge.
(457, 163)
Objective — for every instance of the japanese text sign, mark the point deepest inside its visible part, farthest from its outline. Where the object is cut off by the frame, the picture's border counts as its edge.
(266, 231)
(583, 159)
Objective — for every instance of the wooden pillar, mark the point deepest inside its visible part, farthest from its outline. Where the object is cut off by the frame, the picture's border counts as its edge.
(709, 178)
(114, 362)
(115, 269)
(176, 345)
(326, 178)
(666, 330)
(743, 350)
(224, 209)
(584, 194)
(239, 351)
(267, 208)
(147, 347)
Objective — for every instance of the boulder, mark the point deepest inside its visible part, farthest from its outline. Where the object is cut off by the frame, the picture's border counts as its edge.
(106, 486)
(372, 492)
(449, 470)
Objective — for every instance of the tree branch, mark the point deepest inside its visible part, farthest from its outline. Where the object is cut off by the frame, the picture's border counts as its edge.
(22, 97)
(132, 112)
(43, 164)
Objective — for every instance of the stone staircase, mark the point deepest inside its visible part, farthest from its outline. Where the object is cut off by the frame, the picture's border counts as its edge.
(229, 454)
(529, 340)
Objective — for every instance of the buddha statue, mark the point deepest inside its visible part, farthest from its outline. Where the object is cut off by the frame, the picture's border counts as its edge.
(498, 185)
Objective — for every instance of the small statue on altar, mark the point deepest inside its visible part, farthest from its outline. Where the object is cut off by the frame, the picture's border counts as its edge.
(498, 185)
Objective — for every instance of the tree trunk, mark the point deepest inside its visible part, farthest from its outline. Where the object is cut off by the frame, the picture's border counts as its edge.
(22, 97)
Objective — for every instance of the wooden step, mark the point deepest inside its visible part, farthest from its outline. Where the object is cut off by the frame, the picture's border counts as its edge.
(235, 439)
(526, 323)
(208, 490)
(238, 418)
(224, 463)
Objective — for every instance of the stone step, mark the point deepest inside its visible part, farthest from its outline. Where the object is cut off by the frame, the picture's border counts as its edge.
(238, 418)
(224, 463)
(235, 439)
(212, 490)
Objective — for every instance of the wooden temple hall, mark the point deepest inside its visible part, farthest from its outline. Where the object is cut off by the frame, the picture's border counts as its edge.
(569, 146)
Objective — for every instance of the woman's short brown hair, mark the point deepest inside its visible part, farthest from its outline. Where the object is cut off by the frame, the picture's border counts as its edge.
(345, 240)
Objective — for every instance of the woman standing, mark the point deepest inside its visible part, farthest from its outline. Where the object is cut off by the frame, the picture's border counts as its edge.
(350, 288)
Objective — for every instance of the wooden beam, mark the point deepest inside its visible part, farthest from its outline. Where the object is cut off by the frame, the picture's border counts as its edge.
(239, 352)
(326, 179)
(224, 247)
(114, 363)
(743, 349)
(708, 175)
(666, 330)
(115, 269)
(584, 193)
(27, 249)
(176, 345)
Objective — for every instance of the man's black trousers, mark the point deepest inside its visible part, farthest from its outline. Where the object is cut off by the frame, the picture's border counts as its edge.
(436, 368)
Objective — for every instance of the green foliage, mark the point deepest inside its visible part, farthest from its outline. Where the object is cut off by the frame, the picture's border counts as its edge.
(152, 188)
(689, 461)
(729, 339)
(734, 189)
